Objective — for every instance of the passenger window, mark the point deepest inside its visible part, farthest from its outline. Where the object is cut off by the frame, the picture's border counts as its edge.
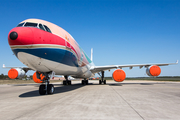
(20, 25)
(41, 27)
(28, 24)
(47, 29)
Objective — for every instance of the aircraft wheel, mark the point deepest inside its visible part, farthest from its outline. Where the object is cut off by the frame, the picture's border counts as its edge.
(66, 82)
(104, 81)
(100, 82)
(69, 82)
(86, 82)
(50, 89)
(82, 82)
(42, 90)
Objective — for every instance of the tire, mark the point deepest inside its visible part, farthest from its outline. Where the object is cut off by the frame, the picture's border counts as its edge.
(100, 82)
(42, 90)
(50, 89)
(66, 82)
(104, 81)
(69, 82)
(86, 82)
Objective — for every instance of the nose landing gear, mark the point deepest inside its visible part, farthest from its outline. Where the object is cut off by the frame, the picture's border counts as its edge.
(46, 88)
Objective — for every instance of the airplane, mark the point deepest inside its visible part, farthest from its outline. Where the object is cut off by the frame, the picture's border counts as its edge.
(50, 50)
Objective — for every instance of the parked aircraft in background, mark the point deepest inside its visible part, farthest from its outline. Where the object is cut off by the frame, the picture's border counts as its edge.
(48, 49)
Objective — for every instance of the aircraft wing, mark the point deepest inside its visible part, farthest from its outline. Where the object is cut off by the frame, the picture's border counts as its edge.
(24, 68)
(96, 69)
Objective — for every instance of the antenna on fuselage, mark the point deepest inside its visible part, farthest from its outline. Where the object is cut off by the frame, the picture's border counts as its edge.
(91, 54)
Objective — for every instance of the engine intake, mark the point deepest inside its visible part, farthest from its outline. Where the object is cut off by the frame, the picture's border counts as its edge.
(119, 75)
(38, 77)
(153, 70)
(15, 73)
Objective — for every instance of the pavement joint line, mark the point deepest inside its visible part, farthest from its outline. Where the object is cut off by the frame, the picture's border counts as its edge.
(128, 103)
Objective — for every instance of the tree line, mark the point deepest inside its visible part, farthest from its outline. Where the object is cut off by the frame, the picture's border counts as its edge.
(5, 77)
(2, 76)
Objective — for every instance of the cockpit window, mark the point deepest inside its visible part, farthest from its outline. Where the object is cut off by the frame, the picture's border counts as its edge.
(47, 29)
(31, 24)
(41, 27)
(20, 24)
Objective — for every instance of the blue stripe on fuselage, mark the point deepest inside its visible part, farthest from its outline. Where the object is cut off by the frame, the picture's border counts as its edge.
(57, 55)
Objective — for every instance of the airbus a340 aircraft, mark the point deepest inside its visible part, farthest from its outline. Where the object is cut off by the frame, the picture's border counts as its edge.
(48, 49)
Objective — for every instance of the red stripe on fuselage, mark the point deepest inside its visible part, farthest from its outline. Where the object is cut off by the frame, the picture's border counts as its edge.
(25, 36)
(30, 36)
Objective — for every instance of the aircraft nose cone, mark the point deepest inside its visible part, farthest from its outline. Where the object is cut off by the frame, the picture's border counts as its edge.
(13, 35)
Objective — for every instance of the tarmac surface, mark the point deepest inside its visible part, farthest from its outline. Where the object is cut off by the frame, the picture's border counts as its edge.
(130, 100)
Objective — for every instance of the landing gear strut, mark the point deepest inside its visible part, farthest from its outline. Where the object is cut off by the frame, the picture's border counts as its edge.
(46, 88)
(66, 82)
(85, 82)
(102, 77)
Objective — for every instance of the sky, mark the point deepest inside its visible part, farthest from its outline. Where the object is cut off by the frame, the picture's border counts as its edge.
(119, 31)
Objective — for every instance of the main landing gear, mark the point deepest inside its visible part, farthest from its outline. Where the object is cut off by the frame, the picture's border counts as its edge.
(66, 82)
(102, 78)
(85, 82)
(46, 88)
(43, 89)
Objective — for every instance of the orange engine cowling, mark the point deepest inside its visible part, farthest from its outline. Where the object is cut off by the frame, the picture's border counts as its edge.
(38, 79)
(119, 75)
(153, 70)
(14, 73)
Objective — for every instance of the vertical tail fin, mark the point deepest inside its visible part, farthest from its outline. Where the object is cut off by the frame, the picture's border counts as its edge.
(4, 66)
(91, 54)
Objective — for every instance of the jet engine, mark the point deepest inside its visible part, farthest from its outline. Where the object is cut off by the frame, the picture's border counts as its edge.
(14, 73)
(153, 70)
(119, 75)
(38, 77)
